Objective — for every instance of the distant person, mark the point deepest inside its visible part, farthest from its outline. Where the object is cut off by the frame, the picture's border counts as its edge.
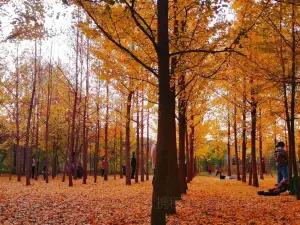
(104, 167)
(281, 159)
(79, 171)
(153, 155)
(218, 169)
(133, 165)
(124, 169)
(209, 169)
(33, 168)
(44, 171)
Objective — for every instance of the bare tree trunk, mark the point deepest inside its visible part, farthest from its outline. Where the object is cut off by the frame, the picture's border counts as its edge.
(288, 126)
(114, 148)
(137, 140)
(253, 135)
(85, 118)
(142, 141)
(96, 157)
(165, 176)
(228, 143)
(148, 145)
(244, 141)
(47, 120)
(18, 149)
(299, 150)
(182, 131)
(37, 140)
(37, 158)
(127, 152)
(236, 144)
(187, 163)
(293, 93)
(261, 172)
(250, 174)
(67, 148)
(106, 133)
(28, 155)
(121, 151)
(91, 163)
(54, 160)
(191, 153)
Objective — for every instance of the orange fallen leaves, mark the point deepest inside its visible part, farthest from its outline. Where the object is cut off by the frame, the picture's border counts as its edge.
(209, 201)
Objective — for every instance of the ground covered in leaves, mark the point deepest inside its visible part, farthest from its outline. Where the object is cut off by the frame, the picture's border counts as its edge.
(209, 201)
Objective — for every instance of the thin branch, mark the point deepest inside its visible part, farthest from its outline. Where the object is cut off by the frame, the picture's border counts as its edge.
(119, 45)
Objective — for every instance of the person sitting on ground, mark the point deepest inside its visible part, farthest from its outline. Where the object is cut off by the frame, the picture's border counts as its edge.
(281, 159)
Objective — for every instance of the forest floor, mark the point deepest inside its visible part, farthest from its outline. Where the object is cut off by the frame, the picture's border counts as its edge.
(209, 201)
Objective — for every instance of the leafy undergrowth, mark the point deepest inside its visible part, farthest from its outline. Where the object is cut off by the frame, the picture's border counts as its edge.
(209, 201)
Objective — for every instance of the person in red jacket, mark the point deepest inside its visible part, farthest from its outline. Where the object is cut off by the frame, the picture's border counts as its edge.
(209, 169)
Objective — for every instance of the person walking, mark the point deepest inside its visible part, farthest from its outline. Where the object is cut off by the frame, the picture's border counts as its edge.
(133, 165)
(153, 156)
(209, 169)
(218, 170)
(33, 168)
(103, 168)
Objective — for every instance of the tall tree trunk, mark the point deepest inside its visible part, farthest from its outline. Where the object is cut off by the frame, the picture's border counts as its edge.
(288, 126)
(54, 161)
(137, 139)
(85, 118)
(106, 133)
(148, 144)
(299, 150)
(28, 155)
(191, 153)
(244, 141)
(47, 121)
(77, 146)
(236, 144)
(127, 126)
(121, 151)
(67, 148)
(37, 139)
(18, 149)
(165, 169)
(250, 174)
(228, 143)
(187, 155)
(37, 158)
(261, 160)
(142, 141)
(84, 140)
(72, 144)
(114, 149)
(182, 130)
(97, 147)
(253, 135)
(293, 93)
